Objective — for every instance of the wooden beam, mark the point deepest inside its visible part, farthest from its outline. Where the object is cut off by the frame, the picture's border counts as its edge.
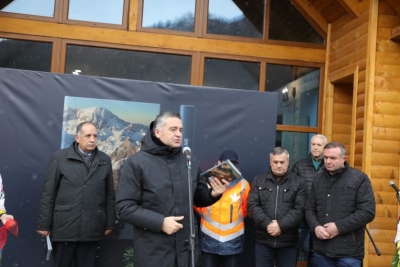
(325, 97)
(133, 15)
(395, 36)
(312, 16)
(161, 41)
(369, 104)
(351, 6)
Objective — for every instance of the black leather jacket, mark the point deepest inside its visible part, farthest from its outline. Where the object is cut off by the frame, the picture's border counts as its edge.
(283, 202)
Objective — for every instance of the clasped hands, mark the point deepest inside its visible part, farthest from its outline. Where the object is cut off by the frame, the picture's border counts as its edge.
(327, 231)
(273, 228)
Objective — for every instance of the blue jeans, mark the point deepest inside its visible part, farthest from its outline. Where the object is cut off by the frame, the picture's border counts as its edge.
(267, 256)
(215, 260)
(304, 242)
(319, 260)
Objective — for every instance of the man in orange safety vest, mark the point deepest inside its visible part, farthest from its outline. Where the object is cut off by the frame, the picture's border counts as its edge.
(222, 224)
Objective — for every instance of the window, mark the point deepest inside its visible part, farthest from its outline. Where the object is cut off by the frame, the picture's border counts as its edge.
(287, 24)
(297, 144)
(298, 90)
(97, 11)
(29, 7)
(232, 74)
(26, 55)
(175, 15)
(128, 64)
(236, 18)
(230, 19)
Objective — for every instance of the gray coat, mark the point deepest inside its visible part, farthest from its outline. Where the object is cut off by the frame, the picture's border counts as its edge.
(78, 204)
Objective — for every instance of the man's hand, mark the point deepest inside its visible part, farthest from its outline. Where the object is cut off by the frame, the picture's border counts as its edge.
(331, 229)
(5, 217)
(170, 225)
(321, 233)
(43, 233)
(107, 232)
(217, 187)
(273, 228)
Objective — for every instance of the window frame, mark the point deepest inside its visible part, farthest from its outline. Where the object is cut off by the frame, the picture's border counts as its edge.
(55, 51)
(65, 43)
(201, 24)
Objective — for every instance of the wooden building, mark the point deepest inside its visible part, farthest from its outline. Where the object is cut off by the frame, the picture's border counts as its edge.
(357, 63)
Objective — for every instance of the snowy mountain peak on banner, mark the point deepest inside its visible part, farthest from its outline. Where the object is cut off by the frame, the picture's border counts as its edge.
(112, 131)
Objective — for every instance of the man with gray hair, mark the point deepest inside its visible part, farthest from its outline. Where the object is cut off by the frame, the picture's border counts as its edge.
(276, 204)
(153, 196)
(340, 204)
(78, 202)
(307, 169)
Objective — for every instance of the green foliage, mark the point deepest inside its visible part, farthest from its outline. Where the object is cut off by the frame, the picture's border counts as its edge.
(128, 257)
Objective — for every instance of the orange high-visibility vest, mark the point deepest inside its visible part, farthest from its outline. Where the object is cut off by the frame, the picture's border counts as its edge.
(224, 220)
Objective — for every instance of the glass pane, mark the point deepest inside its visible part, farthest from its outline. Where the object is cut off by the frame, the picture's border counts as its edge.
(25, 55)
(175, 15)
(298, 89)
(297, 144)
(287, 24)
(128, 64)
(236, 18)
(97, 11)
(29, 7)
(232, 74)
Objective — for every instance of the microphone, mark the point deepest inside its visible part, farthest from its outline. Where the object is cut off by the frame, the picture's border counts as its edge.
(187, 152)
(392, 184)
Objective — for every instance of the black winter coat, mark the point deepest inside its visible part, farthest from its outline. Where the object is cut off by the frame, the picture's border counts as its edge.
(77, 204)
(283, 202)
(154, 185)
(347, 199)
(304, 168)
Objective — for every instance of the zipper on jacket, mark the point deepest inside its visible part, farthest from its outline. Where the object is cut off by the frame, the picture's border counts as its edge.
(276, 200)
(276, 208)
(231, 213)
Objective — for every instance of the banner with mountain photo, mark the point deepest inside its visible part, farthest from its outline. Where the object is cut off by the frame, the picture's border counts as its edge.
(38, 115)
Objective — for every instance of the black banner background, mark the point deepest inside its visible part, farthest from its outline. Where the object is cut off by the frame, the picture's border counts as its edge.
(31, 115)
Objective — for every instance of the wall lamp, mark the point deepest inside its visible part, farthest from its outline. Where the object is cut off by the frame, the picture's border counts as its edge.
(287, 100)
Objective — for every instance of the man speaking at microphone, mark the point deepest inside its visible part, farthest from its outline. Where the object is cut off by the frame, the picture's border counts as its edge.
(153, 196)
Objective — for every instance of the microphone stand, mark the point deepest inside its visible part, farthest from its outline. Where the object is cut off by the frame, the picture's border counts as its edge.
(377, 251)
(191, 219)
(373, 243)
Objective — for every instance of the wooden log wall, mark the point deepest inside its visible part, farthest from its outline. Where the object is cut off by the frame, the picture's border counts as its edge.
(342, 119)
(386, 134)
(349, 48)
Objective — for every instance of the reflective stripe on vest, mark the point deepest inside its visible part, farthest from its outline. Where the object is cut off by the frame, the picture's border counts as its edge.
(222, 238)
(232, 230)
